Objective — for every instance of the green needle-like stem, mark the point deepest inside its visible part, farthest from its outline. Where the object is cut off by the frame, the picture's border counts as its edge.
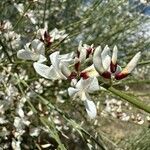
(135, 101)
(21, 17)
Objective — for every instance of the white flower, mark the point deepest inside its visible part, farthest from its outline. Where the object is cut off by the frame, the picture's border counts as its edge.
(13, 38)
(31, 16)
(101, 60)
(20, 8)
(19, 123)
(20, 112)
(49, 37)
(58, 69)
(6, 25)
(129, 68)
(107, 66)
(35, 131)
(16, 144)
(12, 92)
(56, 34)
(3, 120)
(84, 51)
(82, 89)
(33, 51)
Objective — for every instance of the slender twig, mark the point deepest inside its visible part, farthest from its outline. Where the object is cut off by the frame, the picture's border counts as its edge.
(144, 62)
(135, 101)
(132, 82)
(4, 47)
(64, 115)
(21, 17)
(44, 12)
(89, 135)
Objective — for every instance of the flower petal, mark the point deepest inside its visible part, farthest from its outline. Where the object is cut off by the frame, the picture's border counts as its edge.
(40, 33)
(105, 51)
(106, 62)
(54, 59)
(82, 52)
(27, 46)
(106, 58)
(90, 108)
(45, 71)
(113, 64)
(80, 46)
(72, 91)
(83, 84)
(89, 72)
(94, 86)
(41, 59)
(59, 65)
(97, 60)
(64, 70)
(79, 84)
(73, 82)
(83, 95)
(27, 55)
(114, 55)
(55, 33)
(38, 46)
(132, 64)
(67, 58)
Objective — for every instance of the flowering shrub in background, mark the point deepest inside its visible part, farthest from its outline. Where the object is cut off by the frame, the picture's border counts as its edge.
(57, 92)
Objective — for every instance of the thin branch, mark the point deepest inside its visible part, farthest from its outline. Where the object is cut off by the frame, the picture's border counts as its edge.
(144, 62)
(135, 101)
(21, 17)
(5, 51)
(65, 116)
(44, 12)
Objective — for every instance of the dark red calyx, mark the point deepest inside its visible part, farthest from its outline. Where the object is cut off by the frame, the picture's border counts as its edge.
(106, 75)
(120, 76)
(78, 54)
(77, 66)
(113, 67)
(73, 75)
(47, 38)
(88, 52)
(84, 75)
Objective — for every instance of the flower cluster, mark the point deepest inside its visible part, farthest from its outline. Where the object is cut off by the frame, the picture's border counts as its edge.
(81, 68)
(8, 35)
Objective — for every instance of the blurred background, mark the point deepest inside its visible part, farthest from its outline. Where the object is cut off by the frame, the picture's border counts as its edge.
(36, 113)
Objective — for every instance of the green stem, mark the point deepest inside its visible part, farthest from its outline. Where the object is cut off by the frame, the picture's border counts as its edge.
(133, 82)
(138, 82)
(64, 115)
(17, 23)
(135, 101)
(4, 48)
(44, 13)
(144, 62)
